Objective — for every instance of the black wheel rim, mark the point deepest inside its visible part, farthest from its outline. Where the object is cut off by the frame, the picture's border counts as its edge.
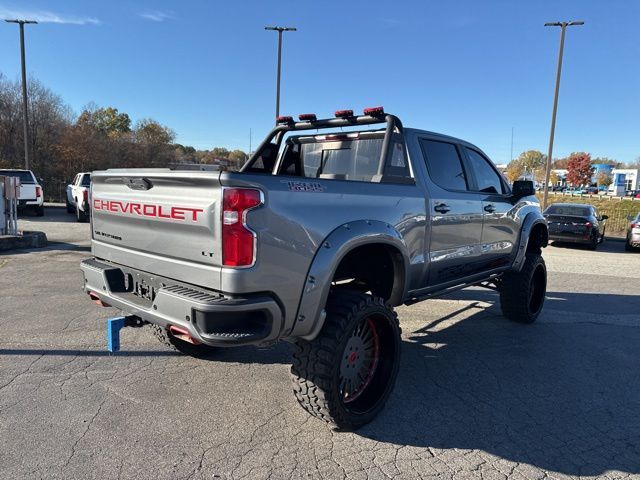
(537, 290)
(359, 361)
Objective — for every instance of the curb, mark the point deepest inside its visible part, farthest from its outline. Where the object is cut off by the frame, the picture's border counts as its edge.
(26, 240)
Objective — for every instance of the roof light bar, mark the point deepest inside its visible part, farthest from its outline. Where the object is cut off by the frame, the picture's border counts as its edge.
(343, 113)
(307, 117)
(374, 111)
(284, 120)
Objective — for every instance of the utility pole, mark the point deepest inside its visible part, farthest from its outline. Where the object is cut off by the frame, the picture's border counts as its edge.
(279, 30)
(563, 26)
(25, 118)
(511, 158)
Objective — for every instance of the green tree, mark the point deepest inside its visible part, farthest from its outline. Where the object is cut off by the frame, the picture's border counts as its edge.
(151, 132)
(106, 120)
(604, 179)
(531, 160)
(513, 171)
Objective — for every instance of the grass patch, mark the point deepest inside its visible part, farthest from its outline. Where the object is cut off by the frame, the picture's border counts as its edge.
(617, 209)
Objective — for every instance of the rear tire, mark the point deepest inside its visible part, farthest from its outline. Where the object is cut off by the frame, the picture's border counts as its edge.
(167, 339)
(346, 374)
(81, 216)
(39, 210)
(522, 293)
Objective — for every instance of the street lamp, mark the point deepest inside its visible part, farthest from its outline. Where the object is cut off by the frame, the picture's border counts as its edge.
(25, 119)
(279, 30)
(564, 26)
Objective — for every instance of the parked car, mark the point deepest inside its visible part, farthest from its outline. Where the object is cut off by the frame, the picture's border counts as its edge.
(31, 194)
(575, 190)
(78, 201)
(633, 233)
(591, 190)
(575, 223)
(315, 240)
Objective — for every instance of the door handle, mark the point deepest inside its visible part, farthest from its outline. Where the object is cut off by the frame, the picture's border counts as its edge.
(442, 208)
(489, 208)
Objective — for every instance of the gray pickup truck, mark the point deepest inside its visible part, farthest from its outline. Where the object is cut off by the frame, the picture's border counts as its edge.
(328, 226)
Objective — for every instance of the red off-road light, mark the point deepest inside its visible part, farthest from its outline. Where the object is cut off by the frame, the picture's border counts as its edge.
(374, 111)
(343, 113)
(284, 120)
(238, 242)
(307, 117)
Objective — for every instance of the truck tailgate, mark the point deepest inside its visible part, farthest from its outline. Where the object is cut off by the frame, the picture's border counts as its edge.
(161, 221)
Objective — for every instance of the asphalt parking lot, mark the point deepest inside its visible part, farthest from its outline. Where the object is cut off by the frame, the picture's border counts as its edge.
(477, 396)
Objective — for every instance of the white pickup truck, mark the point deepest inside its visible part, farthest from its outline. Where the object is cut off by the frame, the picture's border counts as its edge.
(78, 196)
(31, 195)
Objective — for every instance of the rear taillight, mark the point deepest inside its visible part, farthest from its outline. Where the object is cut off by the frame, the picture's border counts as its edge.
(38, 192)
(85, 195)
(588, 225)
(238, 242)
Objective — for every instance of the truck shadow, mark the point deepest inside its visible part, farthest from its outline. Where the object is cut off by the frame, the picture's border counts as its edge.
(563, 397)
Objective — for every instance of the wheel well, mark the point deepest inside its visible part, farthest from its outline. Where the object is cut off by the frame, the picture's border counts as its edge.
(538, 238)
(377, 268)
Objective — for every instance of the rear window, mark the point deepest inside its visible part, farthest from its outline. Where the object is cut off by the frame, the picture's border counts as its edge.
(568, 210)
(444, 164)
(86, 180)
(352, 160)
(24, 176)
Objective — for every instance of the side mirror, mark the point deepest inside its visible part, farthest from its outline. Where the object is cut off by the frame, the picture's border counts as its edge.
(604, 217)
(523, 188)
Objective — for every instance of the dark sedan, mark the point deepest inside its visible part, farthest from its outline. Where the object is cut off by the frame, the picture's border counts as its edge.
(576, 223)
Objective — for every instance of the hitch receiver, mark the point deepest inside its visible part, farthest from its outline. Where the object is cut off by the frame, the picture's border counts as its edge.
(114, 325)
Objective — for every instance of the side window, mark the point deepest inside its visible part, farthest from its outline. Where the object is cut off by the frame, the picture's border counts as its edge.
(444, 164)
(488, 179)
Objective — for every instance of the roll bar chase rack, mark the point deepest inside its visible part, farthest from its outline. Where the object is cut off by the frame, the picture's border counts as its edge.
(392, 123)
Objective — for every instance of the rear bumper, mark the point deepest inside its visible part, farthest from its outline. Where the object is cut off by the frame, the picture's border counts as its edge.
(34, 202)
(634, 239)
(210, 317)
(569, 237)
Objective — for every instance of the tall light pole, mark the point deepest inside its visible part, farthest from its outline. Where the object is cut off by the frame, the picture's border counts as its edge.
(279, 30)
(25, 118)
(564, 26)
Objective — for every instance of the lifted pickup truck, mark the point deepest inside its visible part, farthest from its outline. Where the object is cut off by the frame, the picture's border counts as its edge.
(325, 229)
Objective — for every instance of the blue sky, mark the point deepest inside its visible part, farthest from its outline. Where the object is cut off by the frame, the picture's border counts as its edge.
(472, 69)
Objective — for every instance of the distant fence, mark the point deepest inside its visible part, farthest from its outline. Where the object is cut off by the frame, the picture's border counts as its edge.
(55, 190)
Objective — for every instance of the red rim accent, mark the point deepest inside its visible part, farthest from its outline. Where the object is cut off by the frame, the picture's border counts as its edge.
(372, 367)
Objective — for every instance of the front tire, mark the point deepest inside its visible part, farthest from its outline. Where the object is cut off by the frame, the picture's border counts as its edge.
(346, 374)
(168, 339)
(522, 293)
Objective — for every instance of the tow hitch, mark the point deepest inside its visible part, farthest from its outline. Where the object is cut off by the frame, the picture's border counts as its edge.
(114, 325)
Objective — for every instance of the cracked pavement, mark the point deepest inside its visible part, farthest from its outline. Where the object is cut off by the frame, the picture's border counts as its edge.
(476, 397)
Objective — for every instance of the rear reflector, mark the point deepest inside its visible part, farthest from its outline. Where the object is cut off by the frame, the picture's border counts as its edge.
(238, 242)
(374, 111)
(283, 120)
(307, 117)
(343, 113)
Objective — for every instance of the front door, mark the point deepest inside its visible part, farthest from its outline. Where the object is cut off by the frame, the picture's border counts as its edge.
(500, 226)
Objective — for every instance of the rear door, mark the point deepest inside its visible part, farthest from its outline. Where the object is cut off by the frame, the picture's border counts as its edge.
(455, 213)
(500, 225)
